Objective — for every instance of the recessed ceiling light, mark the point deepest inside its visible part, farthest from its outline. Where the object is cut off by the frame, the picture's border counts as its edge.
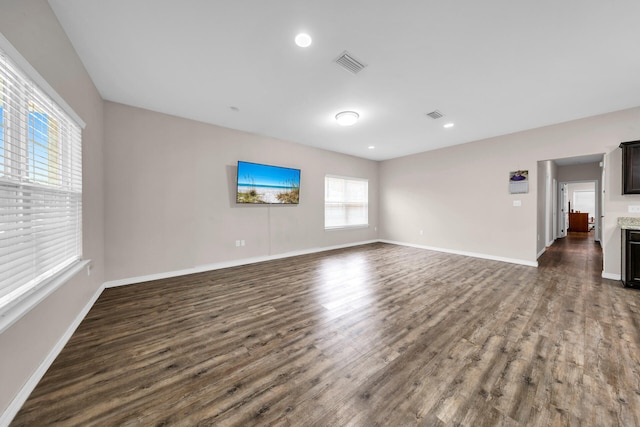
(448, 125)
(347, 118)
(303, 40)
(371, 147)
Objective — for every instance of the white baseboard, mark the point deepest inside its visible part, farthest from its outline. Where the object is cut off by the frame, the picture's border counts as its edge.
(543, 250)
(32, 382)
(226, 264)
(469, 254)
(611, 276)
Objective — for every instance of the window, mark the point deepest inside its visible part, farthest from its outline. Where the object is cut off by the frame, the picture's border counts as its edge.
(1, 129)
(346, 202)
(584, 201)
(40, 186)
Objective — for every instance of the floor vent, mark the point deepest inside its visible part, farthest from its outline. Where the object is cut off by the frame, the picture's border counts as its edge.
(435, 114)
(349, 63)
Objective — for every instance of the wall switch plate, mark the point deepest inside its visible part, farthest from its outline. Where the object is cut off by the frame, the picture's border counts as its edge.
(634, 208)
(517, 203)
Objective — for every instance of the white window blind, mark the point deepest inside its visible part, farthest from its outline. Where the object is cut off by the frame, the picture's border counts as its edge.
(40, 186)
(346, 202)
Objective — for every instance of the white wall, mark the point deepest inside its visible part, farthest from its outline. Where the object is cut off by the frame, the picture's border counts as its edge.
(170, 195)
(32, 28)
(459, 195)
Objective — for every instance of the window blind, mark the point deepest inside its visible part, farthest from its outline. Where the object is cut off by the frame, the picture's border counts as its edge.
(40, 185)
(346, 202)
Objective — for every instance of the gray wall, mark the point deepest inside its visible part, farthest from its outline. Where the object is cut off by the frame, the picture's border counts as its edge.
(547, 170)
(170, 195)
(581, 172)
(32, 28)
(459, 196)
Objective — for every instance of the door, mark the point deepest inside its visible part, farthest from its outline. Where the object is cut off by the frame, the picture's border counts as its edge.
(564, 209)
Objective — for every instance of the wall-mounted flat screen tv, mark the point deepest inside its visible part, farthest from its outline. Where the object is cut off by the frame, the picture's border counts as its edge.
(258, 183)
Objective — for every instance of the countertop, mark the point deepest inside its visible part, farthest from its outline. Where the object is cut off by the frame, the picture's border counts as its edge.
(629, 222)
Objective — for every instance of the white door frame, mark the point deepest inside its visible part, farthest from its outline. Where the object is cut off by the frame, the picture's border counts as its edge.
(554, 204)
(563, 218)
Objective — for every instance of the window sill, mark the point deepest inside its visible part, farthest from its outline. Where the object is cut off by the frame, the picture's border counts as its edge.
(346, 227)
(14, 310)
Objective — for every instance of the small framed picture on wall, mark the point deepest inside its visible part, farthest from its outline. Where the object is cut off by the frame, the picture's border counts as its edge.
(519, 182)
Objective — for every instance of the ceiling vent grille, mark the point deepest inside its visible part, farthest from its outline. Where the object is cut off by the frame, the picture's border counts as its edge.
(435, 114)
(349, 63)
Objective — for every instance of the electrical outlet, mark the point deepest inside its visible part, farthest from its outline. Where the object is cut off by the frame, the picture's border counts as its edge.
(634, 209)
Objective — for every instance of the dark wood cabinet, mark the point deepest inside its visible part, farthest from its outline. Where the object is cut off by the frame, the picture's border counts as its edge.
(630, 167)
(631, 258)
(578, 221)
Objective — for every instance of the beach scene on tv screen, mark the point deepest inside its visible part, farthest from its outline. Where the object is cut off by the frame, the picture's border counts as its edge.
(267, 184)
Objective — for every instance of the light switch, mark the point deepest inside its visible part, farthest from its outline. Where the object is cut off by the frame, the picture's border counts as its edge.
(517, 203)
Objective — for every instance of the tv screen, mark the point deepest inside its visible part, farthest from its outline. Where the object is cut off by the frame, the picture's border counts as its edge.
(259, 183)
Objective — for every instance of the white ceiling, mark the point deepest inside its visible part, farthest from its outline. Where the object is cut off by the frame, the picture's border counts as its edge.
(493, 67)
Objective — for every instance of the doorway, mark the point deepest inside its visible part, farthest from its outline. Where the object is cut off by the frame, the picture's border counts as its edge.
(567, 184)
(580, 206)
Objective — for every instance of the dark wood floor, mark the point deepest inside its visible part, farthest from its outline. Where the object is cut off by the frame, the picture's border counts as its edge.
(372, 335)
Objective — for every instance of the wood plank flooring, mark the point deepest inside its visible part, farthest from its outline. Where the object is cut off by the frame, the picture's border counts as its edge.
(376, 335)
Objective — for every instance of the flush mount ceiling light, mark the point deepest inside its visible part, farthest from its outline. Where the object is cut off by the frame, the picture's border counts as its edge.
(347, 118)
(303, 40)
(448, 125)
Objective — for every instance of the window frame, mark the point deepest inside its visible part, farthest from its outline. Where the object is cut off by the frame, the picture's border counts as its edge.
(17, 299)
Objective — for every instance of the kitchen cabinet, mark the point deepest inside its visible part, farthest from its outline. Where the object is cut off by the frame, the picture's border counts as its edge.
(630, 167)
(630, 258)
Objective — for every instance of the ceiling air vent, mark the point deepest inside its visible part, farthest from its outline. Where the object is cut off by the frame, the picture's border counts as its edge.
(435, 114)
(349, 63)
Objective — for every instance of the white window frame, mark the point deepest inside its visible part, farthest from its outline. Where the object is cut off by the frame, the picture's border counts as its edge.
(331, 201)
(37, 197)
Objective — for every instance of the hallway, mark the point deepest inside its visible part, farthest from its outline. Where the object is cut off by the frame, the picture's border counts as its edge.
(576, 254)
